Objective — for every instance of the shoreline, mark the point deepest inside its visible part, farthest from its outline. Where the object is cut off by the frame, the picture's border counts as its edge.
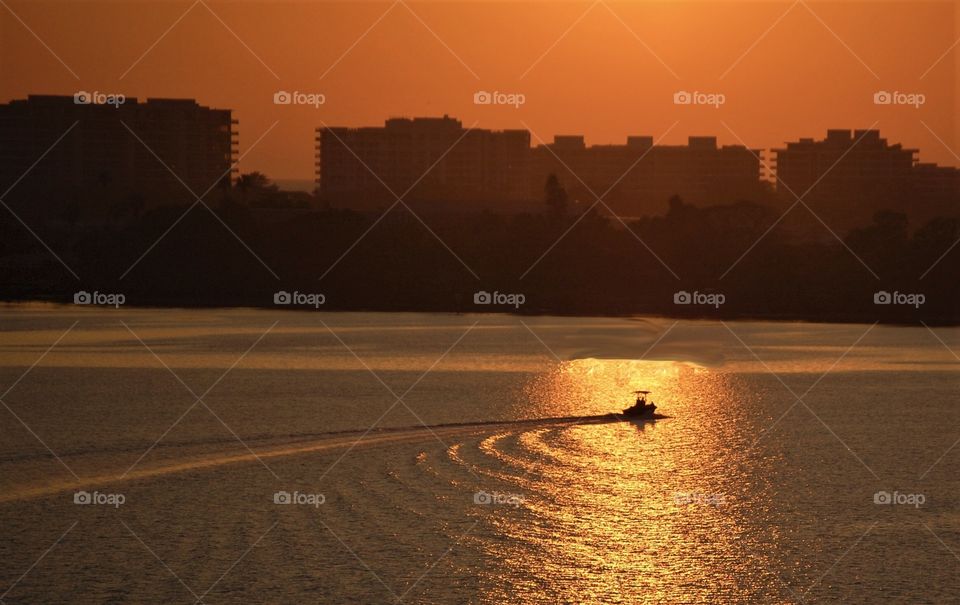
(837, 318)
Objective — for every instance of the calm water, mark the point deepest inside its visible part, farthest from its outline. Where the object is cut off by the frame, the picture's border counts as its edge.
(742, 495)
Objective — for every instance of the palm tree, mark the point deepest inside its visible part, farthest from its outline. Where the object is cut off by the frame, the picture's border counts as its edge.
(254, 182)
(555, 196)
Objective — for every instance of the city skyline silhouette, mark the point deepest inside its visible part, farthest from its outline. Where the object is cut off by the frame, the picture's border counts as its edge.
(602, 70)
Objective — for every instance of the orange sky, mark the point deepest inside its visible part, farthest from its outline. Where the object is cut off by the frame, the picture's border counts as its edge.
(604, 69)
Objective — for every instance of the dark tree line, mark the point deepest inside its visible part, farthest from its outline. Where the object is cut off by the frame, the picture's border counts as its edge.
(563, 263)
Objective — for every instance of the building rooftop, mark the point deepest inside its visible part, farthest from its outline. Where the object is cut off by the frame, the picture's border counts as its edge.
(64, 100)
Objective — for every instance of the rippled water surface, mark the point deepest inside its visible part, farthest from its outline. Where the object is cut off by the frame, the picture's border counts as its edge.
(760, 486)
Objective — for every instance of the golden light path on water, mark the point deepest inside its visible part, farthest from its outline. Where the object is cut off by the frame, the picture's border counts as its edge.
(621, 512)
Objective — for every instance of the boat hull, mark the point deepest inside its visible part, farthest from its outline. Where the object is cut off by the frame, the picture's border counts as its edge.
(637, 417)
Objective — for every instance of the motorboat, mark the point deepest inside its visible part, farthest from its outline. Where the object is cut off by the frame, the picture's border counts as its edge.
(641, 408)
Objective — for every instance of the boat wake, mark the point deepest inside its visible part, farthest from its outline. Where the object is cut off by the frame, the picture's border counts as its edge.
(259, 449)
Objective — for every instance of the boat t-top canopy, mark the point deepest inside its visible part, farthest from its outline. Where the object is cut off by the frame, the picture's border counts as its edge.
(643, 392)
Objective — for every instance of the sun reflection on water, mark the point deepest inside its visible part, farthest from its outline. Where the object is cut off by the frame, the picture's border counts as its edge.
(624, 511)
(595, 386)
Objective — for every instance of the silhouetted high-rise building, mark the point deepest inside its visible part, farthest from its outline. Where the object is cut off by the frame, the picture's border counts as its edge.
(639, 178)
(849, 176)
(938, 188)
(436, 159)
(846, 177)
(500, 168)
(100, 165)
